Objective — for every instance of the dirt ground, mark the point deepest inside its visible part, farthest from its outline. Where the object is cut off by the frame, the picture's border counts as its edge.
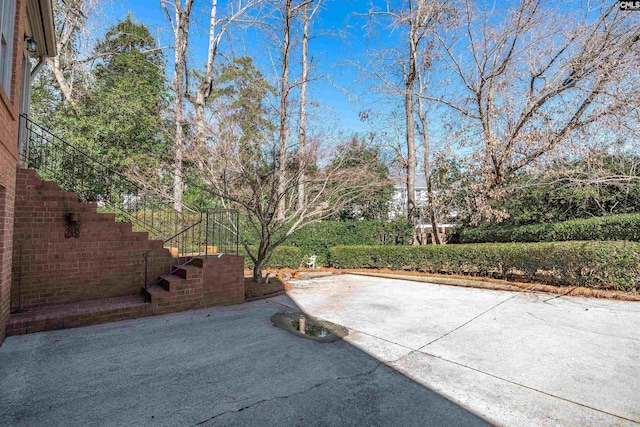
(253, 291)
(279, 285)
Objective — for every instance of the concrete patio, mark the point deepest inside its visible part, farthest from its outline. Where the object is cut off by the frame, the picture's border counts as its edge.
(513, 358)
(417, 354)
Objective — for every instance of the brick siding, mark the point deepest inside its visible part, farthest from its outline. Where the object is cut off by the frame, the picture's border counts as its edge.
(9, 103)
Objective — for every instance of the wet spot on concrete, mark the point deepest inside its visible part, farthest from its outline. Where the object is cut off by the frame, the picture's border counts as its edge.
(304, 326)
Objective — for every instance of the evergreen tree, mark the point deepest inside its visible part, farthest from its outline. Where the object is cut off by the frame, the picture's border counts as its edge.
(121, 117)
(118, 119)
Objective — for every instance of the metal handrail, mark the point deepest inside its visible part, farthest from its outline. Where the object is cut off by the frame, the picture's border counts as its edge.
(73, 170)
(217, 237)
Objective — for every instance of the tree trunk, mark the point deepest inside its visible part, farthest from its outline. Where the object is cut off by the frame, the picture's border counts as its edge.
(410, 122)
(284, 95)
(436, 238)
(411, 154)
(204, 90)
(201, 123)
(264, 251)
(302, 133)
(181, 33)
(65, 87)
(426, 166)
(257, 271)
(178, 183)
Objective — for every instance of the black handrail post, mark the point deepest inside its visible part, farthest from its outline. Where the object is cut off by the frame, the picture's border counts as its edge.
(146, 294)
(206, 236)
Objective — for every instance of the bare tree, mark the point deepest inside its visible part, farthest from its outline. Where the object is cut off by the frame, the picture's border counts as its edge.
(247, 175)
(410, 77)
(287, 11)
(307, 16)
(218, 27)
(432, 15)
(436, 237)
(71, 23)
(180, 23)
(418, 19)
(531, 80)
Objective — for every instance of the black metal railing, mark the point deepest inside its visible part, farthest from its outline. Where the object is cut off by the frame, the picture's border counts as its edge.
(188, 233)
(75, 171)
(215, 233)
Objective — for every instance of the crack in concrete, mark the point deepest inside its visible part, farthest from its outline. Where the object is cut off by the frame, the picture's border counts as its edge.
(469, 321)
(528, 387)
(412, 351)
(261, 401)
(581, 329)
(283, 305)
(559, 296)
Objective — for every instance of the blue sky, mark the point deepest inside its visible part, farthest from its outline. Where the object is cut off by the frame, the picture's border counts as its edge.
(333, 53)
(340, 54)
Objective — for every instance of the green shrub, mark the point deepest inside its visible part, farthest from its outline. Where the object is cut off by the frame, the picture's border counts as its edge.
(282, 257)
(615, 227)
(317, 238)
(596, 264)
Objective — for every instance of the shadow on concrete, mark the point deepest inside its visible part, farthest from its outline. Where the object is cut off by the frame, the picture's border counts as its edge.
(216, 366)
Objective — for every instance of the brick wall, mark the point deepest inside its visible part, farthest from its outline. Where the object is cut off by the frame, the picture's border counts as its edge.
(104, 261)
(207, 282)
(223, 280)
(9, 103)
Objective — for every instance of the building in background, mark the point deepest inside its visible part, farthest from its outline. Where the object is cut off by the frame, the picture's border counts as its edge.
(398, 206)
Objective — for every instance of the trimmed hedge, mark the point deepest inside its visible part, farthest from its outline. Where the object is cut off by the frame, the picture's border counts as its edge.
(605, 265)
(282, 257)
(615, 227)
(317, 238)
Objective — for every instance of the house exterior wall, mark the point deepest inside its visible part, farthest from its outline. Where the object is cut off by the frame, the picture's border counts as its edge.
(9, 121)
(398, 202)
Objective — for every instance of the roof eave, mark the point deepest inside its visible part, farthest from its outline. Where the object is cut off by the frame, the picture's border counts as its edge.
(40, 16)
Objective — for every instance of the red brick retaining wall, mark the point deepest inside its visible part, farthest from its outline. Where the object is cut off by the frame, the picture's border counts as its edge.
(208, 281)
(223, 280)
